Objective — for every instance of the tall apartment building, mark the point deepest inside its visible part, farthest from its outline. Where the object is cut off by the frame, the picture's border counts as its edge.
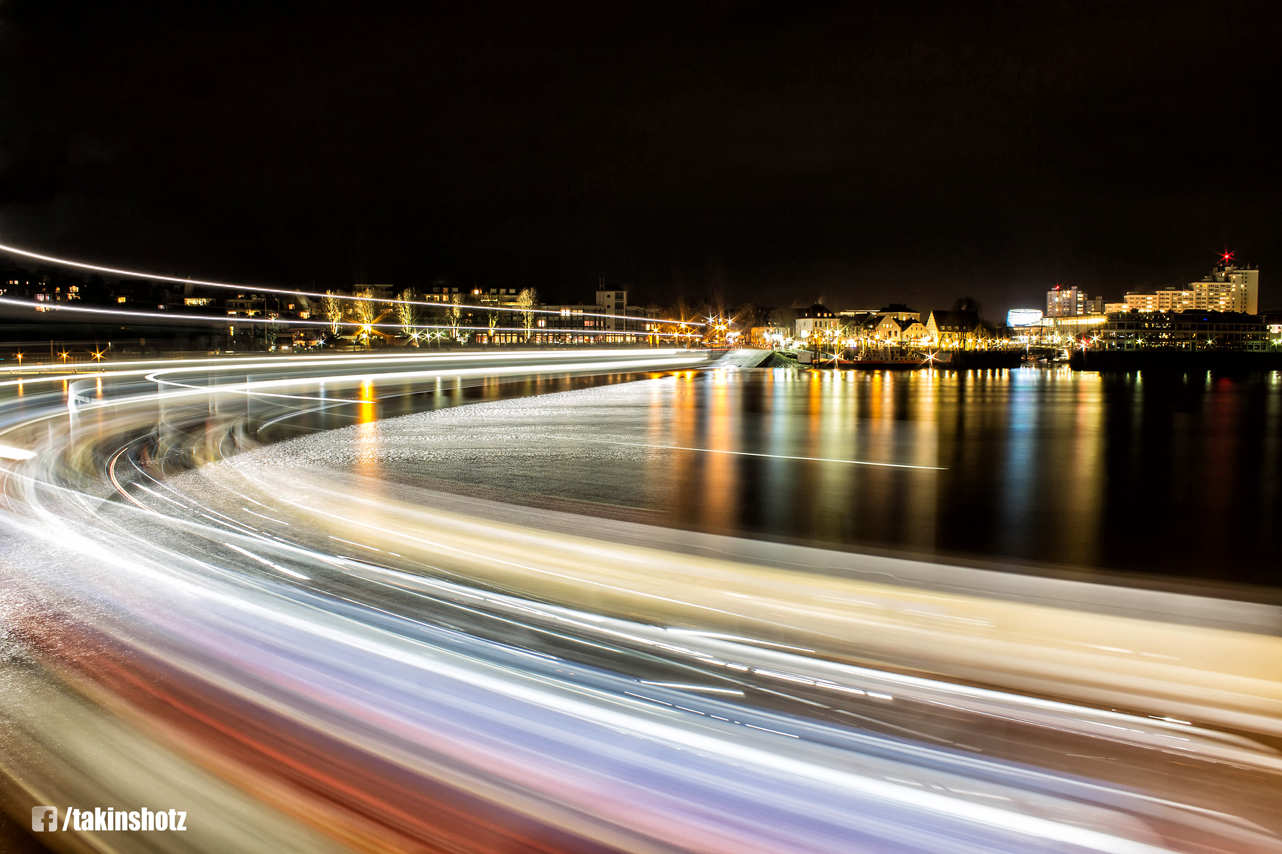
(1070, 302)
(1226, 288)
(1061, 302)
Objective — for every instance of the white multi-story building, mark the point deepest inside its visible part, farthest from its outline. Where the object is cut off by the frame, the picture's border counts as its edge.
(1071, 302)
(1226, 288)
(816, 319)
(1062, 302)
(611, 302)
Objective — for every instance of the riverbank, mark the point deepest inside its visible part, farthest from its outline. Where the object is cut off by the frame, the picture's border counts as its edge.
(1174, 361)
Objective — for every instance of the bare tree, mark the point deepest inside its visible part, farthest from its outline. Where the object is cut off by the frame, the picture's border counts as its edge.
(525, 302)
(405, 314)
(453, 313)
(366, 312)
(492, 318)
(333, 311)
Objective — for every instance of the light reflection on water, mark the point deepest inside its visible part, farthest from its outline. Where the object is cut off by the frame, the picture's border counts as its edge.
(1171, 475)
(1168, 475)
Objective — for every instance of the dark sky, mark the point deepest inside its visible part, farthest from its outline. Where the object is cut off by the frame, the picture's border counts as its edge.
(780, 153)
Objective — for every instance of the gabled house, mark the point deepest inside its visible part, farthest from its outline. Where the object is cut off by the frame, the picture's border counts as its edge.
(960, 330)
(817, 320)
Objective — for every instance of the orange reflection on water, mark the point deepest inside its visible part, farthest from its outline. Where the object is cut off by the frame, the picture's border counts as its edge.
(1079, 532)
(721, 498)
(367, 441)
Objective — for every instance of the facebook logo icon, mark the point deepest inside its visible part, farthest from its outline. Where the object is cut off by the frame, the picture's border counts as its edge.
(44, 818)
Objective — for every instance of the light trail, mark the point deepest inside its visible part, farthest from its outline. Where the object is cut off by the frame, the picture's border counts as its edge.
(235, 319)
(488, 678)
(754, 454)
(65, 262)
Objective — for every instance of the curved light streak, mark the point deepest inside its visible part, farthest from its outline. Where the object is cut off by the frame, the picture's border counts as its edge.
(65, 262)
(616, 694)
(236, 320)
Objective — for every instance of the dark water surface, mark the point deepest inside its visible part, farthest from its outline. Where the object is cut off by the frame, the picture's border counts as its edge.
(1169, 475)
(1174, 475)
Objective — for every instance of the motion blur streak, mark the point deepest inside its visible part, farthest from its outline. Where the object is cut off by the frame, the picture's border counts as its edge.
(134, 274)
(312, 659)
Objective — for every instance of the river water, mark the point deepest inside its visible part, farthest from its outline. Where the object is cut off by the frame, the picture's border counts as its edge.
(1161, 475)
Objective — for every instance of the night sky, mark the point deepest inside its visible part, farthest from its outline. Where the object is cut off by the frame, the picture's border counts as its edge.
(777, 153)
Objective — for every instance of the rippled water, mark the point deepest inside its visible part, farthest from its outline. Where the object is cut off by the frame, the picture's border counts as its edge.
(1165, 475)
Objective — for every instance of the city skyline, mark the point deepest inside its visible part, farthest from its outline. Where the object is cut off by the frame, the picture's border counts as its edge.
(32, 268)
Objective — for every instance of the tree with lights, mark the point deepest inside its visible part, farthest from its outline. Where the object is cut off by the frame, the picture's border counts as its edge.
(333, 311)
(453, 315)
(366, 312)
(405, 314)
(525, 303)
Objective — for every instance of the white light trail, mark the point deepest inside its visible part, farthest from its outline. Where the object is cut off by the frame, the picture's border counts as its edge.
(754, 454)
(266, 562)
(9, 452)
(66, 262)
(234, 320)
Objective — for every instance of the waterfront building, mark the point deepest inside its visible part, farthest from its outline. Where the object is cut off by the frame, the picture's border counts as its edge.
(913, 333)
(1058, 331)
(816, 320)
(577, 323)
(898, 311)
(909, 332)
(960, 330)
(1227, 288)
(1023, 316)
(1273, 323)
(1182, 330)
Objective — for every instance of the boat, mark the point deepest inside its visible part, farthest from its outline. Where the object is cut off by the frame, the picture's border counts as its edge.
(893, 359)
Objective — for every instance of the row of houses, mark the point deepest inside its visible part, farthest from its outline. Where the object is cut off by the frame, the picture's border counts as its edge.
(895, 325)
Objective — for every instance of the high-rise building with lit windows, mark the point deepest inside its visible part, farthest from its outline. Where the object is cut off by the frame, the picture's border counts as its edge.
(1225, 288)
(1228, 288)
(1071, 302)
(1061, 302)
